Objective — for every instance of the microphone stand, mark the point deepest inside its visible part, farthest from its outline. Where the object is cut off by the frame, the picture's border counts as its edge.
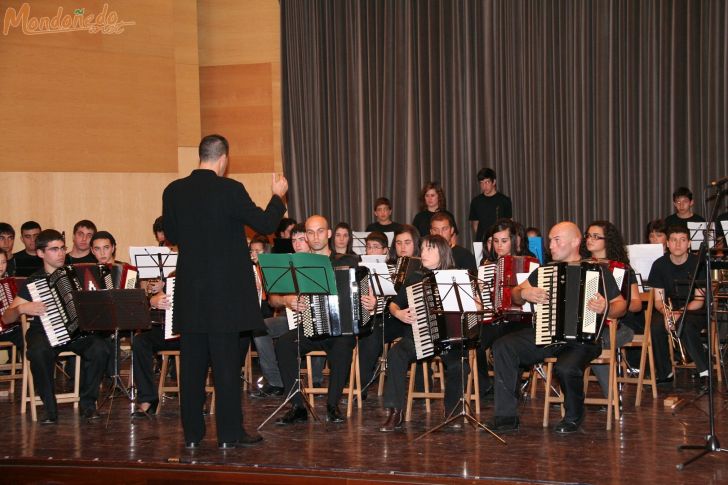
(711, 444)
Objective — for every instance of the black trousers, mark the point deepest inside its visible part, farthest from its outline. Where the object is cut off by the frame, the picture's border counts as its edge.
(691, 340)
(401, 355)
(225, 351)
(489, 333)
(143, 350)
(371, 346)
(338, 351)
(94, 357)
(14, 335)
(515, 350)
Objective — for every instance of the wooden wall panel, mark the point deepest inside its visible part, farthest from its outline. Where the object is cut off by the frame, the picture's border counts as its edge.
(238, 31)
(236, 102)
(125, 204)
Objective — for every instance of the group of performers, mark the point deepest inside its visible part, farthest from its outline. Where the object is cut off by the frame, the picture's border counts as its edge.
(218, 309)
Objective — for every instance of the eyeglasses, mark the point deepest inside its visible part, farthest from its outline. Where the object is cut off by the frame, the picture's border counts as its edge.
(375, 247)
(55, 249)
(596, 237)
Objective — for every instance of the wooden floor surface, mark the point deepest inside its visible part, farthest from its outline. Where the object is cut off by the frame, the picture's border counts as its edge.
(642, 450)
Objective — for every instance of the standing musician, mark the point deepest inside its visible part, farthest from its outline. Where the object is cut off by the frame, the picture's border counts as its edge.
(13, 334)
(383, 216)
(26, 262)
(205, 215)
(432, 201)
(436, 254)
(518, 349)
(338, 349)
(51, 248)
(670, 276)
(603, 242)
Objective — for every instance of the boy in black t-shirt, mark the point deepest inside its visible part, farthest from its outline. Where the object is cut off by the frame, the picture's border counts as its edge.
(488, 206)
(383, 214)
(7, 241)
(26, 261)
(670, 276)
(682, 200)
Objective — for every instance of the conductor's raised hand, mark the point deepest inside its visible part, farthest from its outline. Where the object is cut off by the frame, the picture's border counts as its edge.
(279, 185)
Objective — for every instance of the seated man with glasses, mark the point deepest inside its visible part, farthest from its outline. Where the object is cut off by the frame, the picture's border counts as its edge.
(51, 248)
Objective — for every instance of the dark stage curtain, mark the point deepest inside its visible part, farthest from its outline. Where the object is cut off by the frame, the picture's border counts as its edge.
(586, 109)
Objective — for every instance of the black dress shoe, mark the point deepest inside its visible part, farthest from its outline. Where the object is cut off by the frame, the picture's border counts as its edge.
(140, 412)
(703, 386)
(91, 414)
(192, 445)
(665, 380)
(245, 441)
(297, 414)
(569, 425)
(394, 421)
(333, 415)
(267, 391)
(49, 418)
(503, 424)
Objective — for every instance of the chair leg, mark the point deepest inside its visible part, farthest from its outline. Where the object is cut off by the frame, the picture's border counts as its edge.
(162, 376)
(547, 394)
(352, 383)
(410, 391)
(77, 381)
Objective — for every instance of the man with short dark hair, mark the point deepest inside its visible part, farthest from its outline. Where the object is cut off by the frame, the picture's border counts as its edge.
(670, 276)
(682, 200)
(443, 225)
(83, 231)
(488, 206)
(7, 241)
(338, 349)
(216, 298)
(383, 215)
(51, 248)
(27, 261)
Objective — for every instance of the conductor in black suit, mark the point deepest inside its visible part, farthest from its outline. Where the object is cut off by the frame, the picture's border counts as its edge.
(215, 299)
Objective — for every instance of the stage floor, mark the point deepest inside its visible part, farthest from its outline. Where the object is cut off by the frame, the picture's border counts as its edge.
(118, 450)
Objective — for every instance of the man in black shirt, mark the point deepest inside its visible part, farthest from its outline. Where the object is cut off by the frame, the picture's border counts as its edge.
(519, 348)
(7, 241)
(52, 250)
(670, 276)
(488, 206)
(83, 231)
(682, 200)
(338, 349)
(26, 261)
(383, 214)
(443, 225)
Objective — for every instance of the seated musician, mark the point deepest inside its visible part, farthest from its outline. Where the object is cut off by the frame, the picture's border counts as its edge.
(343, 240)
(517, 349)
(12, 333)
(504, 241)
(670, 276)
(443, 224)
(51, 248)
(80, 252)
(7, 241)
(436, 254)
(657, 232)
(338, 349)
(603, 241)
(145, 345)
(26, 262)
(370, 346)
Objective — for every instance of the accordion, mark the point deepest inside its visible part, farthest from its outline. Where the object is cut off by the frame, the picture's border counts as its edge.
(8, 291)
(506, 273)
(403, 269)
(566, 317)
(620, 272)
(94, 276)
(486, 281)
(60, 321)
(336, 315)
(435, 331)
(169, 313)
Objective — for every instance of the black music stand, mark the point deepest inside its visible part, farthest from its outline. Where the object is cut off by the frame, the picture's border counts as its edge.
(112, 311)
(299, 274)
(463, 404)
(711, 444)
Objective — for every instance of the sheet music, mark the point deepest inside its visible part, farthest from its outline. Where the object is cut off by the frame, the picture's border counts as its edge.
(697, 234)
(641, 257)
(478, 252)
(149, 258)
(373, 258)
(380, 278)
(445, 279)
